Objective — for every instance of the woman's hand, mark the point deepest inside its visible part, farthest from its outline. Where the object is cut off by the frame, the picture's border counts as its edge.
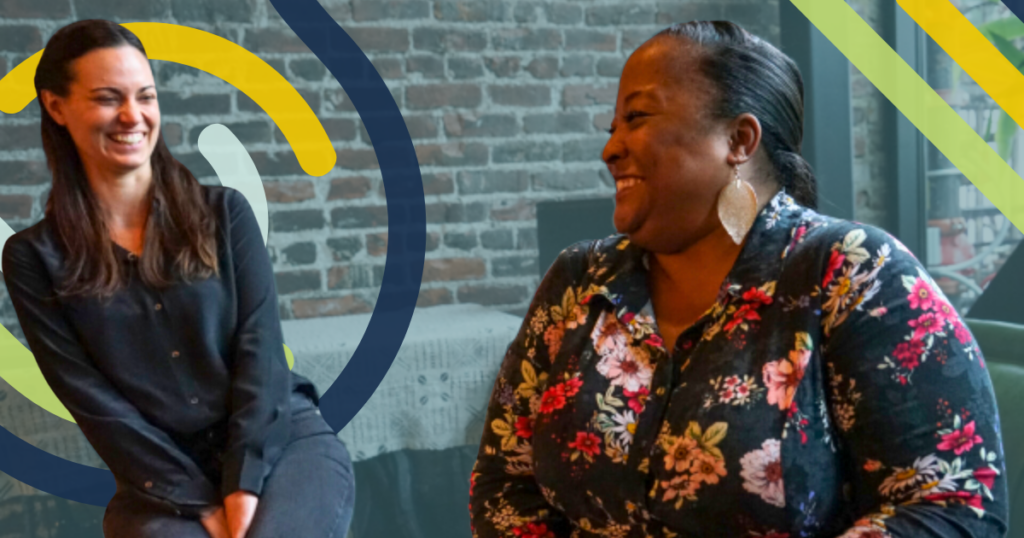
(239, 508)
(216, 524)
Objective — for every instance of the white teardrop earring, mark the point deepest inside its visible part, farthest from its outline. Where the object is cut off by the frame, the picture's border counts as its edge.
(737, 207)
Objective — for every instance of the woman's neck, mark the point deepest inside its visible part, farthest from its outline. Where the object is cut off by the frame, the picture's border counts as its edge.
(123, 198)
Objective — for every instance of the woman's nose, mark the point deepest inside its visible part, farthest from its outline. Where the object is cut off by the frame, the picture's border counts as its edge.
(613, 150)
(130, 112)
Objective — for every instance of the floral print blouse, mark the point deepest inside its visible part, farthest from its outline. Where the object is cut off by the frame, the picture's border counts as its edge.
(831, 390)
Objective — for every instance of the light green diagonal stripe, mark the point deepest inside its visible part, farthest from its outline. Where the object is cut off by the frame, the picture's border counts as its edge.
(919, 103)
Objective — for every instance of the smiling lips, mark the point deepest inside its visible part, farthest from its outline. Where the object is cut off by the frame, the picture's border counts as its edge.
(127, 139)
(625, 183)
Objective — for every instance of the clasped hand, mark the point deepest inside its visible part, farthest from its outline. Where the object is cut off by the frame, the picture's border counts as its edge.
(233, 519)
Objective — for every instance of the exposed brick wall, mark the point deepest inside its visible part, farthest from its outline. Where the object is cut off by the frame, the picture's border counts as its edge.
(506, 101)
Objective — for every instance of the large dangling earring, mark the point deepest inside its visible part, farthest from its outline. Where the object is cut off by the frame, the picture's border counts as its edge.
(737, 207)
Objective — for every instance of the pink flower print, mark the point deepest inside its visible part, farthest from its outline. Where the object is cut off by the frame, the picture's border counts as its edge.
(921, 296)
(926, 324)
(961, 440)
(783, 376)
(986, 476)
(587, 442)
(962, 334)
(834, 262)
(755, 295)
(637, 399)
(944, 311)
(909, 353)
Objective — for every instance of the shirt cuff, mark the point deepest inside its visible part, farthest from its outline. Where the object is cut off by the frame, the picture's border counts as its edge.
(191, 498)
(243, 471)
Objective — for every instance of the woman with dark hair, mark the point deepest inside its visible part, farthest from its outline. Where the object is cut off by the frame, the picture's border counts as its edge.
(734, 363)
(148, 301)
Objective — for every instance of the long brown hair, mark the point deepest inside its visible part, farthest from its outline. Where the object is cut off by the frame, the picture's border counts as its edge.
(180, 234)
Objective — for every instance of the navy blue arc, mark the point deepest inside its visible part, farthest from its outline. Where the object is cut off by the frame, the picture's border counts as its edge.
(403, 268)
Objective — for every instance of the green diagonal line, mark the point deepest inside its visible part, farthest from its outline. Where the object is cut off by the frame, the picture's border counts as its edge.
(920, 104)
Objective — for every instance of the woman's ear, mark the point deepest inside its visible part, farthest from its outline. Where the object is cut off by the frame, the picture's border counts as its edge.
(54, 106)
(745, 137)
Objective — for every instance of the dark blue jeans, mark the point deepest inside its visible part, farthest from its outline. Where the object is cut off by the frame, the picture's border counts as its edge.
(309, 493)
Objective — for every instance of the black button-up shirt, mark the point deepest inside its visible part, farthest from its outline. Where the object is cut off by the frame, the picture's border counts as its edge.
(183, 391)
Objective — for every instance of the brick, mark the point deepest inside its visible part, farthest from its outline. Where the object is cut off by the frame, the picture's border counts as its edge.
(448, 40)
(357, 159)
(560, 13)
(349, 277)
(499, 239)
(526, 239)
(173, 104)
(557, 123)
(425, 65)
(618, 15)
(375, 10)
(273, 40)
(577, 66)
(543, 67)
(587, 149)
(434, 297)
(339, 129)
(23, 172)
(632, 39)
(603, 121)
(590, 40)
(491, 181)
(503, 66)
(123, 10)
(348, 188)
(453, 269)
(206, 11)
(286, 192)
(308, 69)
(439, 95)
(245, 104)
(344, 249)
(377, 244)
(282, 163)
(334, 306)
(752, 16)
(36, 9)
(380, 39)
(300, 253)
(471, 10)
(433, 241)
(526, 12)
(297, 220)
(492, 294)
(672, 12)
(465, 68)
(336, 100)
(420, 126)
(439, 183)
(472, 125)
(251, 132)
(297, 281)
(3, 66)
(452, 213)
(388, 68)
(520, 95)
(514, 209)
(172, 132)
(521, 151)
(589, 94)
(452, 154)
(359, 217)
(610, 67)
(514, 266)
(580, 180)
(20, 137)
(526, 39)
(460, 240)
(16, 206)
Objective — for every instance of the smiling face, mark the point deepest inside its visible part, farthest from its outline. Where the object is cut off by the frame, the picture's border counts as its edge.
(110, 110)
(668, 156)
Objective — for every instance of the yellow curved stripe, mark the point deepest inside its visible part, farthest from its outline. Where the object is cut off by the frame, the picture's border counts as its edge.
(978, 57)
(221, 58)
(975, 159)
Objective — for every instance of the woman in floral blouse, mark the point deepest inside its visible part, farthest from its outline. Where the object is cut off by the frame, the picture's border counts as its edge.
(699, 375)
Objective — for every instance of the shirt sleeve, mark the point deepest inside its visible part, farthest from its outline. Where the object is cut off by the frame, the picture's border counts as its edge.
(136, 451)
(910, 398)
(505, 499)
(259, 421)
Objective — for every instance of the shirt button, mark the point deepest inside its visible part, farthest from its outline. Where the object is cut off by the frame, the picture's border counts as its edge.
(158, 306)
(193, 400)
(175, 354)
(149, 484)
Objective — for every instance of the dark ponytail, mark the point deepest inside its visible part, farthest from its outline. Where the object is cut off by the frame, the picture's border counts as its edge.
(752, 76)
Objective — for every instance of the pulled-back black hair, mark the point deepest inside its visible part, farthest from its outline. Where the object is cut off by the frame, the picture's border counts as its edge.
(752, 76)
